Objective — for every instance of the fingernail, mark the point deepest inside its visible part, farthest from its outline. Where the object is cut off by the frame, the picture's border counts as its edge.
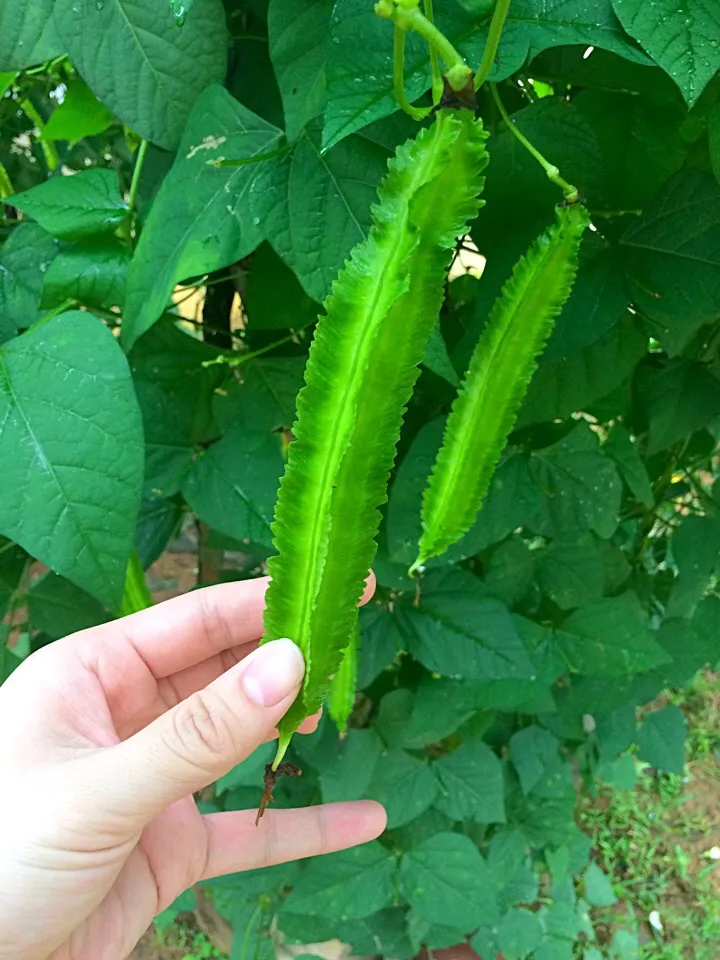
(273, 672)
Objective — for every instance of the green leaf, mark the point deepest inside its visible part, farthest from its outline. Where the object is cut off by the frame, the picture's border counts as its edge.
(350, 411)
(570, 572)
(92, 272)
(510, 571)
(135, 59)
(438, 360)
(695, 546)
(432, 936)
(28, 34)
(213, 226)
(641, 142)
(597, 300)
(348, 885)
(472, 785)
(380, 642)
(532, 751)
(346, 769)
(519, 933)
(623, 450)
(581, 485)
(71, 448)
(404, 785)
(80, 115)
(608, 638)
(274, 299)
(436, 709)
(714, 139)
(298, 34)
(343, 686)
(661, 740)
(315, 206)
(233, 484)
(24, 259)
(677, 398)
(564, 385)
(446, 881)
(513, 875)
(175, 392)
(456, 631)
(598, 889)
(83, 205)
(500, 368)
(59, 608)
(684, 40)
(672, 255)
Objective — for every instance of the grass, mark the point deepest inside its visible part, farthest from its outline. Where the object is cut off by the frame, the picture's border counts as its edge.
(655, 842)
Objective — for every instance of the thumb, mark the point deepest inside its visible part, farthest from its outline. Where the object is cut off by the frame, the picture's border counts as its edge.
(203, 737)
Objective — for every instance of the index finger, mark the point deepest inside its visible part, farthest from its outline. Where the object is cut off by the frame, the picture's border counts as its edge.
(187, 630)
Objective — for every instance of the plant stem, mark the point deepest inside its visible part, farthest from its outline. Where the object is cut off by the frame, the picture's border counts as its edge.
(49, 152)
(407, 16)
(399, 76)
(137, 595)
(437, 83)
(493, 41)
(135, 182)
(6, 187)
(552, 172)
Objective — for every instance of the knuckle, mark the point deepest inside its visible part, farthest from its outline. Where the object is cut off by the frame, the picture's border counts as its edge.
(203, 728)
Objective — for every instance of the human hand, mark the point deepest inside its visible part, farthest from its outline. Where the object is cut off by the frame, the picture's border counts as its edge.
(104, 737)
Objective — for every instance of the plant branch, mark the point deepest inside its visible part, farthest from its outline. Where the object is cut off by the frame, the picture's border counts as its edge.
(399, 76)
(552, 172)
(493, 41)
(407, 15)
(437, 83)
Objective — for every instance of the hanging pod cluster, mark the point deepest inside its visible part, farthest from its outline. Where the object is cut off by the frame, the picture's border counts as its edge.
(359, 377)
(363, 365)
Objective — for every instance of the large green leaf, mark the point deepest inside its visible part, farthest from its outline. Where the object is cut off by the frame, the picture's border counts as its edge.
(93, 272)
(404, 785)
(572, 571)
(71, 447)
(298, 34)
(684, 39)
(472, 785)
(672, 258)
(58, 607)
(348, 885)
(564, 385)
(609, 637)
(213, 226)
(695, 546)
(139, 64)
(315, 206)
(175, 392)
(533, 752)
(446, 881)
(79, 115)
(661, 740)
(624, 451)
(641, 143)
(27, 33)
(456, 631)
(24, 259)
(70, 208)
(677, 397)
(581, 485)
(597, 301)
(233, 484)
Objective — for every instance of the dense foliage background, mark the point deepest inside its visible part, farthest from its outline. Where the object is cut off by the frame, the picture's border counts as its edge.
(507, 681)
